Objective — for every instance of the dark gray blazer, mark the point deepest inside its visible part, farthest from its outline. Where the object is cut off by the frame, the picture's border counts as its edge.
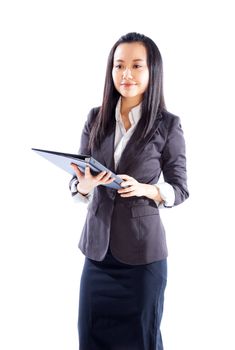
(132, 226)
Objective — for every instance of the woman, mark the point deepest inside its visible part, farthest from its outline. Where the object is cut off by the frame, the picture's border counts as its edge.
(123, 239)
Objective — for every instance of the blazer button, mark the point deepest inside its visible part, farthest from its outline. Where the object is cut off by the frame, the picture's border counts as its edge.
(113, 194)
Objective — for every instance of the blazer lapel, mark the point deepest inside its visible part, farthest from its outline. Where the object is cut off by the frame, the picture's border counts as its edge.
(134, 147)
(130, 154)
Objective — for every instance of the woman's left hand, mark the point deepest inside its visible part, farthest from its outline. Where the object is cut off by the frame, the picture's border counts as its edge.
(131, 187)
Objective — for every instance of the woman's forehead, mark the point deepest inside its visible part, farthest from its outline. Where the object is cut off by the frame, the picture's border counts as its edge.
(130, 51)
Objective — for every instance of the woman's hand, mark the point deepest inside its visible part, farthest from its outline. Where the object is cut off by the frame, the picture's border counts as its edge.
(87, 181)
(135, 188)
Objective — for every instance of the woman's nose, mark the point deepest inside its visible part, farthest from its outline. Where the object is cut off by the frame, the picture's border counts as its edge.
(127, 73)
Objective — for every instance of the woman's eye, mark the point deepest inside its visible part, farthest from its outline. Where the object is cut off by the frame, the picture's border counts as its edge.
(137, 66)
(118, 66)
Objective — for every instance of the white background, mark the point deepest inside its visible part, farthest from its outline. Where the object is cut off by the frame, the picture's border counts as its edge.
(53, 60)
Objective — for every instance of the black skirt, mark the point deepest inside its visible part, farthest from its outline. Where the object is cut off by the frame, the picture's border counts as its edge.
(121, 305)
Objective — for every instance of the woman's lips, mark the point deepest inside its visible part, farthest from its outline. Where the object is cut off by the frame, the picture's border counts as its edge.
(128, 85)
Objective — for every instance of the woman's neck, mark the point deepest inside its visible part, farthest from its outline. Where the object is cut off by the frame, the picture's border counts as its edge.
(128, 103)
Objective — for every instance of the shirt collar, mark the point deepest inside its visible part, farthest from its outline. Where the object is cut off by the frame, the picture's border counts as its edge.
(134, 114)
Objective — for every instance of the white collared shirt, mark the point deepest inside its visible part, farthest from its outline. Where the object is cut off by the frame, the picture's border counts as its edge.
(122, 136)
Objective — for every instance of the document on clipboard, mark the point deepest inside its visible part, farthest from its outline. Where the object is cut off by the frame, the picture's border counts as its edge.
(64, 160)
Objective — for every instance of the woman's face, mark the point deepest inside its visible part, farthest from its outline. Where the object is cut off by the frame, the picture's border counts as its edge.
(130, 71)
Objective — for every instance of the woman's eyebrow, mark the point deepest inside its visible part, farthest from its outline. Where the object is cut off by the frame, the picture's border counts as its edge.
(135, 60)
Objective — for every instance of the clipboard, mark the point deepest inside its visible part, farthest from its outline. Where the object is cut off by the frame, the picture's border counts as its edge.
(63, 161)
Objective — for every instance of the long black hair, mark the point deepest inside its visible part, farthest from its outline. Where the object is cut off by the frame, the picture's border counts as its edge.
(153, 99)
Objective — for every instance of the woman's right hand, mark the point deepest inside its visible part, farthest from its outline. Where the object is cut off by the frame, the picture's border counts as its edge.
(87, 181)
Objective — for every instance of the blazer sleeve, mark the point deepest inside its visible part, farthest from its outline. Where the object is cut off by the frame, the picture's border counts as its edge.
(84, 141)
(86, 132)
(174, 160)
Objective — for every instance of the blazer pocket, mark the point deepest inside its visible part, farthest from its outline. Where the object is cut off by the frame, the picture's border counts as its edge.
(143, 210)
